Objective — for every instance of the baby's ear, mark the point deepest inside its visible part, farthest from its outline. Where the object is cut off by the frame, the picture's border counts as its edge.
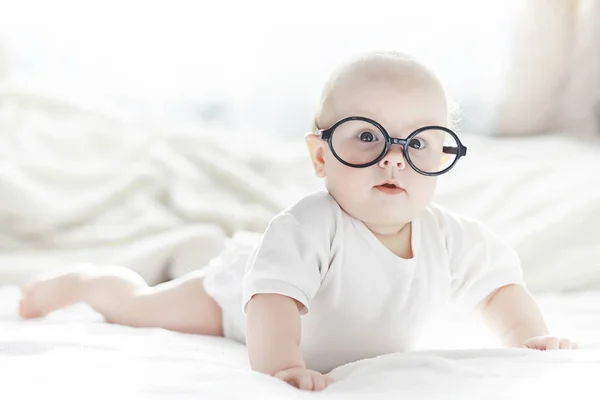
(316, 149)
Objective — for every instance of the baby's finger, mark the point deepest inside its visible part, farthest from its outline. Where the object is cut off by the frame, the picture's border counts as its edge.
(329, 380)
(283, 375)
(534, 343)
(288, 378)
(566, 344)
(318, 382)
(304, 381)
(552, 343)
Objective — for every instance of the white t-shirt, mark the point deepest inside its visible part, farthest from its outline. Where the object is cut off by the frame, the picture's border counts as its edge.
(360, 299)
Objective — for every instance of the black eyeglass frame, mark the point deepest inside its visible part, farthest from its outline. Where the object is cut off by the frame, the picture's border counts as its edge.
(460, 151)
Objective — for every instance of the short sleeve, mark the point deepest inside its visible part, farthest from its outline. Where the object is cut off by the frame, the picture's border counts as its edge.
(289, 260)
(480, 262)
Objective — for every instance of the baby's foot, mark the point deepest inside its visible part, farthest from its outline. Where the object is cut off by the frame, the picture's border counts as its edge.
(44, 295)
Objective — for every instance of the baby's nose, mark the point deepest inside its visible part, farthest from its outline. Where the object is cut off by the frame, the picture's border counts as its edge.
(394, 157)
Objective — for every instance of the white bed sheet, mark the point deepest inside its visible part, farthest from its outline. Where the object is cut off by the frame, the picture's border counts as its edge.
(72, 354)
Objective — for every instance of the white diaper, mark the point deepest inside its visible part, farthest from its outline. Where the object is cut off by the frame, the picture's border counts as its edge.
(223, 282)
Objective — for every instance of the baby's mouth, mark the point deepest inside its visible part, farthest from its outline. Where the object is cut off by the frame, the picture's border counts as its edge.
(389, 187)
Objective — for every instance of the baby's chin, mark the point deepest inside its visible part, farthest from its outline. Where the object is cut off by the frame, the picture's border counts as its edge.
(387, 224)
(385, 218)
(376, 208)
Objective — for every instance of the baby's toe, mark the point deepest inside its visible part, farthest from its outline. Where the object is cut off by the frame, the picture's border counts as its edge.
(27, 306)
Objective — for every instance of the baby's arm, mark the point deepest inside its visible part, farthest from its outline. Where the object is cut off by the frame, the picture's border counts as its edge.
(512, 313)
(273, 341)
(484, 266)
(273, 333)
(282, 278)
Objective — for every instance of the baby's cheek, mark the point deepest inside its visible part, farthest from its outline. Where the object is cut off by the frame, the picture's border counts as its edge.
(334, 184)
(347, 187)
(342, 177)
(341, 185)
(422, 190)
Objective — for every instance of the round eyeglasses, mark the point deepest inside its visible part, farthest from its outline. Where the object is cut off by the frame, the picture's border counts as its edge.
(360, 142)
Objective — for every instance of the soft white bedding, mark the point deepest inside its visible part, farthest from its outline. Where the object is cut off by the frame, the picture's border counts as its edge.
(79, 184)
(74, 355)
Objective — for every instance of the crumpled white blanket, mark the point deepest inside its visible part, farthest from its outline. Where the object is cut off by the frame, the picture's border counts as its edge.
(80, 185)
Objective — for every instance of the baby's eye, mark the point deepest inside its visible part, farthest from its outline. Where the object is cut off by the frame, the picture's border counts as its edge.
(367, 137)
(417, 143)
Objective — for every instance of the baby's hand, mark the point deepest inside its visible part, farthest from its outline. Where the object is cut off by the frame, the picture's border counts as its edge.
(304, 379)
(549, 343)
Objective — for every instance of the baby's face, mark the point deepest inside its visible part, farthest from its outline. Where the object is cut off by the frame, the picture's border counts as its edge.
(400, 109)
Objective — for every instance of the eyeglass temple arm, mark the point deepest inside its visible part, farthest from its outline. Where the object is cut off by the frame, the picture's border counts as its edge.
(455, 150)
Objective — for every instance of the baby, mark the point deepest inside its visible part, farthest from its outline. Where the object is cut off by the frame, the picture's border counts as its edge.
(349, 273)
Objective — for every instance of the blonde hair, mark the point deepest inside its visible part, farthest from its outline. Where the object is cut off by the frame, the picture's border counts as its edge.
(390, 66)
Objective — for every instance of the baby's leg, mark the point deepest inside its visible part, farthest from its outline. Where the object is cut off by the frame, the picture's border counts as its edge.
(122, 297)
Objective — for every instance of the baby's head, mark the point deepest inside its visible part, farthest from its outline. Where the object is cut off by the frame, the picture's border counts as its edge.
(401, 95)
